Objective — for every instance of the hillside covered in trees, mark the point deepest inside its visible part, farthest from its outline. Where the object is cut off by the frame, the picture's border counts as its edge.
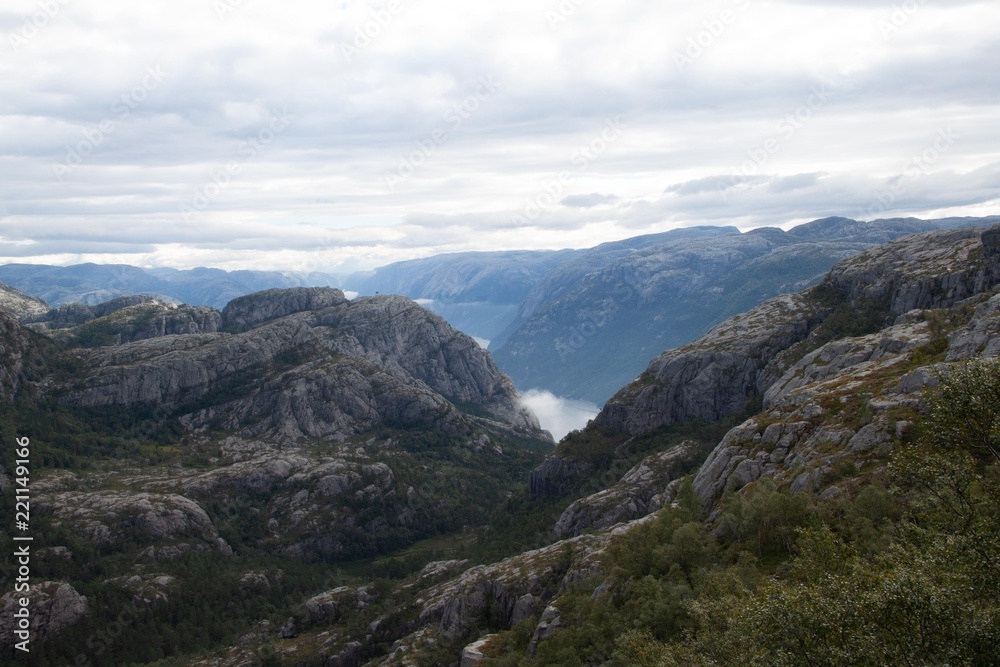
(303, 480)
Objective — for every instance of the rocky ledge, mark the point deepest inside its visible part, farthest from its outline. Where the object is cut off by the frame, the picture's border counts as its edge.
(327, 373)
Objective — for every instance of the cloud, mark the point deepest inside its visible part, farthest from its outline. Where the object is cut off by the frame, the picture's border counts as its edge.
(559, 415)
(590, 200)
(97, 157)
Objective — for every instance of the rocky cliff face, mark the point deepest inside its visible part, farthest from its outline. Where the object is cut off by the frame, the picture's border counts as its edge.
(899, 296)
(20, 304)
(850, 400)
(934, 270)
(715, 376)
(584, 333)
(845, 404)
(640, 492)
(54, 606)
(310, 416)
(123, 320)
(834, 407)
(255, 309)
(16, 350)
(333, 371)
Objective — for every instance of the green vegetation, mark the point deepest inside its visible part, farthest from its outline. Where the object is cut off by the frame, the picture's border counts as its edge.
(111, 329)
(443, 494)
(78, 439)
(846, 317)
(902, 567)
(904, 572)
(206, 606)
(610, 454)
(963, 410)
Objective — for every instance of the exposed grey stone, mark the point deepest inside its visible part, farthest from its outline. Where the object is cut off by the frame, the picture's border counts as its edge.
(640, 491)
(290, 629)
(713, 377)
(991, 242)
(746, 471)
(805, 482)
(917, 380)
(329, 607)
(350, 656)
(54, 606)
(981, 337)
(920, 271)
(868, 438)
(832, 359)
(16, 346)
(124, 320)
(525, 607)
(347, 368)
(252, 310)
(713, 476)
(20, 305)
(830, 493)
(113, 516)
(547, 626)
(437, 568)
(473, 653)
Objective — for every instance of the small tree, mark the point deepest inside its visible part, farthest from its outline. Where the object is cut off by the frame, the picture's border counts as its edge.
(965, 409)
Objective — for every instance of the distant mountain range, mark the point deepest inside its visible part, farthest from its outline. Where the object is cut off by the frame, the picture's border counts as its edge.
(806, 479)
(578, 323)
(484, 293)
(583, 323)
(93, 284)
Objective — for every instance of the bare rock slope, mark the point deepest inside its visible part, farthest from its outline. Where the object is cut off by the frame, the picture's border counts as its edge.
(803, 358)
(308, 362)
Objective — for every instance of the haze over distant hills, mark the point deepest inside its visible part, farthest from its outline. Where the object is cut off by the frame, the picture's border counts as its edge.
(577, 323)
(186, 460)
(93, 284)
(591, 319)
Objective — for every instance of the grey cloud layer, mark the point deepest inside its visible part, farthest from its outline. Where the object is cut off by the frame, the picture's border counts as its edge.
(113, 118)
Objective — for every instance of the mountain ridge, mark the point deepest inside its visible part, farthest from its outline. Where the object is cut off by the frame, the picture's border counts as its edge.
(592, 338)
(93, 284)
(719, 481)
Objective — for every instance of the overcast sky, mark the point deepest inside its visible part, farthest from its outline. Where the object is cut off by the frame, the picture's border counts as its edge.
(335, 136)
